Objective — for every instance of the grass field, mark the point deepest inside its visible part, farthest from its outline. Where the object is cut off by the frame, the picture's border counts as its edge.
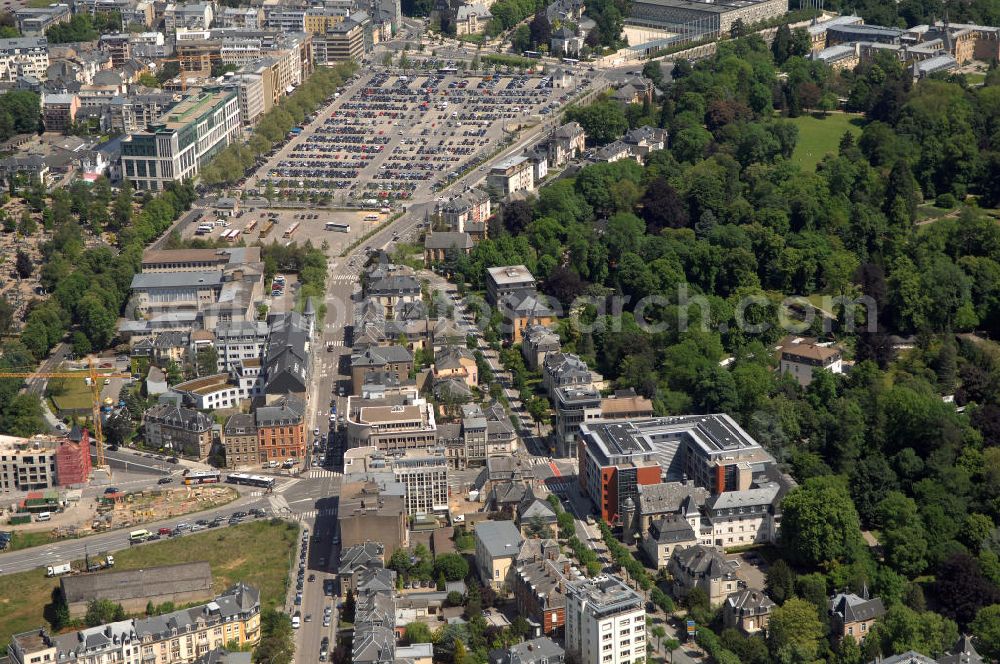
(257, 553)
(69, 394)
(819, 136)
(23, 540)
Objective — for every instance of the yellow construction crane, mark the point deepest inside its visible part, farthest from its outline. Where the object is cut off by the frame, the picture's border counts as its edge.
(95, 389)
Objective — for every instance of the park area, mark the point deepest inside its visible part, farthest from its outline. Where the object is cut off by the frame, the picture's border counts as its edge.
(257, 553)
(820, 135)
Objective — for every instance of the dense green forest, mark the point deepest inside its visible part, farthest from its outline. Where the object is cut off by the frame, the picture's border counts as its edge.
(726, 217)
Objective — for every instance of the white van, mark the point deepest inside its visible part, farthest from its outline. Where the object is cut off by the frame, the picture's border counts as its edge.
(43, 516)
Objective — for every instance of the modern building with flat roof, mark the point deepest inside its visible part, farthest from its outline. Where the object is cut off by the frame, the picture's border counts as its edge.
(703, 16)
(602, 606)
(182, 140)
(506, 280)
(424, 473)
(712, 450)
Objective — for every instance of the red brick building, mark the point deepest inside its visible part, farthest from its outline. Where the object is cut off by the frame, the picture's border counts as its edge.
(73, 463)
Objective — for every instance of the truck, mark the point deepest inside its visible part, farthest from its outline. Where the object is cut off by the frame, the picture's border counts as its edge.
(58, 570)
(100, 563)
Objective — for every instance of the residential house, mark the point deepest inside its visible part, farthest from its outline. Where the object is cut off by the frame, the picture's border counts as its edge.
(178, 637)
(645, 140)
(851, 615)
(456, 362)
(802, 360)
(396, 361)
(567, 142)
(392, 291)
(537, 341)
(539, 583)
(664, 535)
(373, 509)
(355, 559)
(963, 652)
(703, 567)
(614, 151)
(748, 610)
(182, 430)
(522, 309)
(497, 545)
(566, 42)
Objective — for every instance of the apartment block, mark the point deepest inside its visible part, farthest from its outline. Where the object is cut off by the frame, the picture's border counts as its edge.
(185, 138)
(179, 637)
(512, 175)
(23, 56)
(605, 622)
(240, 441)
(507, 280)
(281, 430)
(27, 464)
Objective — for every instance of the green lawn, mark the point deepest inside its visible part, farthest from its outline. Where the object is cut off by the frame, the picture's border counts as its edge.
(820, 136)
(70, 394)
(259, 553)
(27, 540)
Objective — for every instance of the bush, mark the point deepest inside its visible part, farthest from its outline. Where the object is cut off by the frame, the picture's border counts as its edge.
(946, 201)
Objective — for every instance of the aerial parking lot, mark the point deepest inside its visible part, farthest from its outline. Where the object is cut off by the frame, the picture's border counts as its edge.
(394, 136)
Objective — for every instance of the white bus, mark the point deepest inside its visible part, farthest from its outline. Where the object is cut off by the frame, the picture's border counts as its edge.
(204, 229)
(371, 217)
(340, 228)
(139, 536)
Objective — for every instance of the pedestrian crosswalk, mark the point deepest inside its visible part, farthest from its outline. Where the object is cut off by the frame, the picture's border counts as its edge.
(316, 473)
(311, 514)
(279, 488)
(344, 278)
(336, 343)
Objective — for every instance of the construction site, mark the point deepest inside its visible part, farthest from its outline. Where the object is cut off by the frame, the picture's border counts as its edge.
(67, 515)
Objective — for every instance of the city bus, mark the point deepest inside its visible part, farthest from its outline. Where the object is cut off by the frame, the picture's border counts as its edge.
(446, 71)
(532, 54)
(204, 229)
(250, 480)
(202, 477)
(139, 536)
(340, 228)
(291, 229)
(371, 217)
(249, 227)
(571, 61)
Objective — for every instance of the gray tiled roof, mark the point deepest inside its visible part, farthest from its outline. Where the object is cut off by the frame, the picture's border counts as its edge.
(499, 538)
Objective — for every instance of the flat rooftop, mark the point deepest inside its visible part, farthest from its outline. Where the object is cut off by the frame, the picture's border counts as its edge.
(203, 386)
(606, 594)
(510, 274)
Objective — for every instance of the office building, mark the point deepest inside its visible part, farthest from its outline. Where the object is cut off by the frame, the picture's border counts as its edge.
(184, 139)
(605, 622)
(713, 451)
(612, 465)
(34, 21)
(704, 17)
(423, 473)
(393, 423)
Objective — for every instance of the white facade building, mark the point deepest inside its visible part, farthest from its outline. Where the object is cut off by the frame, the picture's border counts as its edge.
(25, 56)
(605, 622)
(182, 140)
